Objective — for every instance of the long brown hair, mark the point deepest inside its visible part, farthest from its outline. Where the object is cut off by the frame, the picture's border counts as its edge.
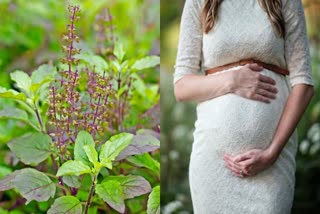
(209, 14)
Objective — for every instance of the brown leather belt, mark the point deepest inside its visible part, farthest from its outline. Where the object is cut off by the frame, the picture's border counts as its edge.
(270, 67)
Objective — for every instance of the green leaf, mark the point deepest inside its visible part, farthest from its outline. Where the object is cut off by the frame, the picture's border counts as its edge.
(124, 66)
(83, 138)
(146, 62)
(139, 85)
(20, 114)
(30, 183)
(2, 211)
(119, 51)
(17, 114)
(31, 148)
(115, 66)
(22, 79)
(94, 61)
(111, 149)
(71, 181)
(73, 168)
(44, 72)
(43, 206)
(145, 160)
(6, 183)
(91, 153)
(120, 92)
(66, 205)
(107, 163)
(112, 193)
(132, 185)
(142, 142)
(35, 87)
(4, 171)
(4, 93)
(153, 206)
(13, 113)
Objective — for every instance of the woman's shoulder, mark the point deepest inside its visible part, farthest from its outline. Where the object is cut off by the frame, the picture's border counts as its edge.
(292, 8)
(291, 4)
(195, 3)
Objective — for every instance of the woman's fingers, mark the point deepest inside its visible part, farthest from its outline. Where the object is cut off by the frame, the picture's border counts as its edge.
(235, 167)
(266, 79)
(242, 157)
(260, 98)
(242, 162)
(231, 162)
(261, 77)
(236, 170)
(266, 93)
(247, 165)
(254, 67)
(253, 85)
(268, 87)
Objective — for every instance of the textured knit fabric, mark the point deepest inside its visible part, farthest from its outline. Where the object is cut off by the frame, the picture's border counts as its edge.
(233, 124)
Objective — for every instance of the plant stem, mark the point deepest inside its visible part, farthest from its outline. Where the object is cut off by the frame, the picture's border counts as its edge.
(126, 94)
(90, 195)
(61, 184)
(51, 175)
(96, 113)
(119, 103)
(54, 163)
(32, 125)
(39, 118)
(65, 190)
(18, 202)
(55, 113)
(31, 111)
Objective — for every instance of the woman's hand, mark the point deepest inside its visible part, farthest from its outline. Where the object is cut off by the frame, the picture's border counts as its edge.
(249, 163)
(249, 83)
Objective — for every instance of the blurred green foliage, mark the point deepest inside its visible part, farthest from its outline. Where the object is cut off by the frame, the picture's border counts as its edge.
(177, 123)
(30, 31)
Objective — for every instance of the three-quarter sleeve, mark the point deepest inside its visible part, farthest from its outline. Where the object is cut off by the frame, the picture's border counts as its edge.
(297, 52)
(190, 41)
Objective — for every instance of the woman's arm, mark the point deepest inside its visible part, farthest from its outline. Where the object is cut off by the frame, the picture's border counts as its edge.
(298, 60)
(297, 103)
(194, 87)
(246, 82)
(256, 160)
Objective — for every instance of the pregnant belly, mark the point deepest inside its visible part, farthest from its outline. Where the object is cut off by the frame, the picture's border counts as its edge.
(235, 121)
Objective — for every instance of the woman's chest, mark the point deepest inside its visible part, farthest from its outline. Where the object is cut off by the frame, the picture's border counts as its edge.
(241, 31)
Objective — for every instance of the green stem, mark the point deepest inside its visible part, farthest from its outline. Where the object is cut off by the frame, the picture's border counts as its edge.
(90, 195)
(51, 175)
(26, 106)
(32, 125)
(31, 111)
(39, 119)
(54, 163)
(36, 109)
(65, 189)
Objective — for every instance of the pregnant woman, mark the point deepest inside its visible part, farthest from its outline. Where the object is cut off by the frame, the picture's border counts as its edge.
(257, 85)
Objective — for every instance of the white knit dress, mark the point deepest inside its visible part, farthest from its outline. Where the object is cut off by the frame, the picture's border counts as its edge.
(233, 124)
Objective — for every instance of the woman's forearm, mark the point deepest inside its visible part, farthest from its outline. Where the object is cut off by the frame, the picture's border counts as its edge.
(199, 88)
(297, 102)
(246, 81)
